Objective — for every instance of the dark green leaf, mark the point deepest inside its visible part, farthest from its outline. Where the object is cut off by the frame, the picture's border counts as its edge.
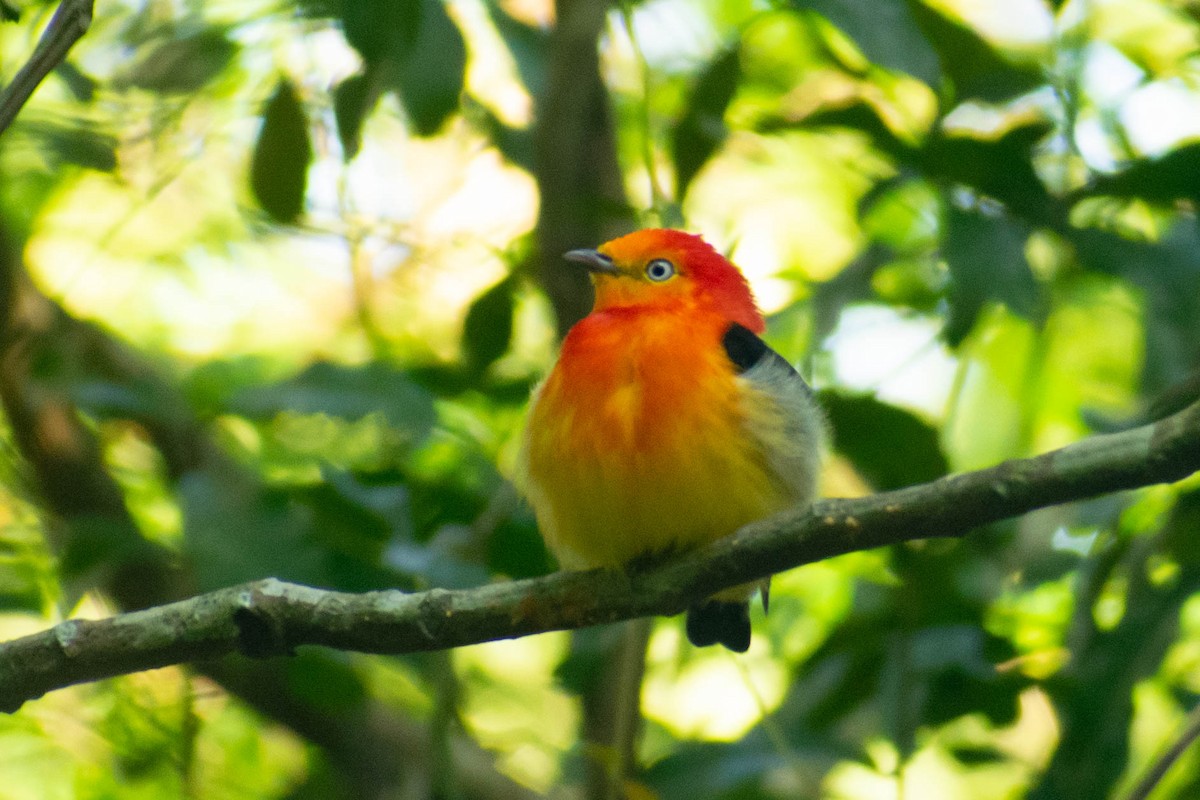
(377, 28)
(701, 129)
(529, 46)
(1173, 176)
(855, 115)
(986, 257)
(430, 73)
(237, 530)
(89, 148)
(181, 65)
(325, 680)
(346, 392)
(851, 285)
(886, 31)
(515, 144)
(279, 169)
(487, 331)
(977, 70)
(516, 549)
(889, 447)
(1000, 168)
(978, 756)
(8, 13)
(353, 101)
(81, 85)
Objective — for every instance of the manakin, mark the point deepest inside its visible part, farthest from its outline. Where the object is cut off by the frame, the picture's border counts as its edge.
(666, 422)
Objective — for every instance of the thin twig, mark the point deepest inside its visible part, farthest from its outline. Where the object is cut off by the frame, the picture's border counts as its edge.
(69, 23)
(1191, 732)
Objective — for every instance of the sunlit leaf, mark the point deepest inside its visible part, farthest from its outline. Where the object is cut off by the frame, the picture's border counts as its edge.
(279, 168)
(701, 129)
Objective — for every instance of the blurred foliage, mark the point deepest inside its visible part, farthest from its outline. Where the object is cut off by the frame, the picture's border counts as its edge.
(972, 224)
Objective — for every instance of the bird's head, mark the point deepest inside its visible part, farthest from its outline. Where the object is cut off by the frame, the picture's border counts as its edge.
(662, 268)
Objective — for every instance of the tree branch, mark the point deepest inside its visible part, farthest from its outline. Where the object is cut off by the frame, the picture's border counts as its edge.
(68, 25)
(270, 617)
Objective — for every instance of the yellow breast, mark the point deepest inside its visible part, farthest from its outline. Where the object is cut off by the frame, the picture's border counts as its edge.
(637, 443)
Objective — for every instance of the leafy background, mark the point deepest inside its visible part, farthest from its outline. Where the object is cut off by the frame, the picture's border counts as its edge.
(278, 278)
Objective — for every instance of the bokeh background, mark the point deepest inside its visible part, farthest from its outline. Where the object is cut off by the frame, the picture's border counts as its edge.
(278, 276)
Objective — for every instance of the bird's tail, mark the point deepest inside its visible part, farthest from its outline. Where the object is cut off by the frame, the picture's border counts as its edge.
(724, 622)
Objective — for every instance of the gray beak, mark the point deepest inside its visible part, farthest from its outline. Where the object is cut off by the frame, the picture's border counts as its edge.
(592, 261)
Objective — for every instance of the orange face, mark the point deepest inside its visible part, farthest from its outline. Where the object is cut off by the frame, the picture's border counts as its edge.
(667, 268)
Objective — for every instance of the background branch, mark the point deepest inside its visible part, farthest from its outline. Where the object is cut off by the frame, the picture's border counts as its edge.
(271, 617)
(68, 25)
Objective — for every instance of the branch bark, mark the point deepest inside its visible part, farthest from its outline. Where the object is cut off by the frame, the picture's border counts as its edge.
(270, 617)
(68, 25)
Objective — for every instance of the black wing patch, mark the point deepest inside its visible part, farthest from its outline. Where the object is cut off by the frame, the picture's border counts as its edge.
(743, 347)
(746, 351)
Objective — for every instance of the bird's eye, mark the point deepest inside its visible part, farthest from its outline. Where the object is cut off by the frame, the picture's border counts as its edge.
(659, 270)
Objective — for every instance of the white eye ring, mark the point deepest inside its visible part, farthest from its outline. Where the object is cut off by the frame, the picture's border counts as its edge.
(659, 270)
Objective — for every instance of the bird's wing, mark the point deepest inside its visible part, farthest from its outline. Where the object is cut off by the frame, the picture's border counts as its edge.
(782, 416)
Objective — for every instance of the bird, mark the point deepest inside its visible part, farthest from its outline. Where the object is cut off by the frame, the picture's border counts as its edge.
(667, 422)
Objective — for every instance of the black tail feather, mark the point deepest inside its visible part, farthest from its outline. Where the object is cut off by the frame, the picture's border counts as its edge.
(720, 622)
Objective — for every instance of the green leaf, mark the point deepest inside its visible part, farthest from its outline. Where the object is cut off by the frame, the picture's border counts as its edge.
(237, 530)
(516, 549)
(515, 144)
(890, 447)
(1000, 168)
(431, 72)
(488, 329)
(349, 393)
(1174, 176)
(701, 129)
(376, 28)
(8, 13)
(25, 567)
(181, 65)
(976, 69)
(851, 285)
(986, 257)
(856, 115)
(81, 85)
(85, 147)
(279, 168)
(529, 46)
(978, 755)
(353, 101)
(886, 31)
(1167, 273)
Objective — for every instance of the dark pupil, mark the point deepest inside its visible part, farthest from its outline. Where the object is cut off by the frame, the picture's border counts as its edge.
(659, 270)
